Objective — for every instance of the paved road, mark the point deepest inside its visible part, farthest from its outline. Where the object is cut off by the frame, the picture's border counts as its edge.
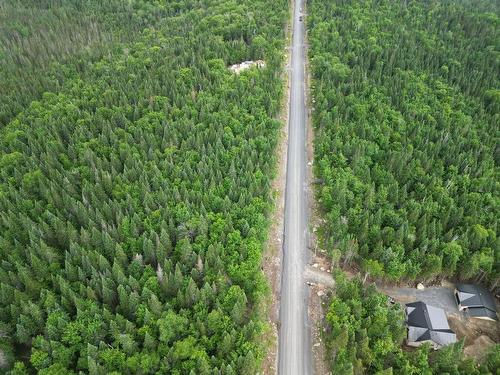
(294, 338)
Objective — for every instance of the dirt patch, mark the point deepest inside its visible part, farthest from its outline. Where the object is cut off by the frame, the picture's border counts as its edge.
(271, 262)
(479, 334)
(320, 277)
(479, 348)
(471, 329)
(238, 68)
(318, 302)
(319, 294)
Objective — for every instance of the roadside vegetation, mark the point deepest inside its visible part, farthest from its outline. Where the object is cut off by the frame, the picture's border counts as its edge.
(406, 103)
(134, 195)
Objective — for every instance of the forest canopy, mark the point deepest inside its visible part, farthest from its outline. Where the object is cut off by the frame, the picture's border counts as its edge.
(134, 191)
(43, 43)
(406, 114)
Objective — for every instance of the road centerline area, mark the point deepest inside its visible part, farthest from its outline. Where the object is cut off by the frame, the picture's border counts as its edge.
(294, 339)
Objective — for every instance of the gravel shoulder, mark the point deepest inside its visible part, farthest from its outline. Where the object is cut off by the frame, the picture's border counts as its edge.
(272, 259)
(320, 281)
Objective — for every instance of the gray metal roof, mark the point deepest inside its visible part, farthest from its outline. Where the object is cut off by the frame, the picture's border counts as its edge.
(471, 295)
(481, 312)
(428, 323)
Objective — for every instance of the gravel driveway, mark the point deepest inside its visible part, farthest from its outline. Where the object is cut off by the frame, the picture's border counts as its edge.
(435, 296)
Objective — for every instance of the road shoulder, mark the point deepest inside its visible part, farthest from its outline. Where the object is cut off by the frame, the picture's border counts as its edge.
(319, 267)
(272, 258)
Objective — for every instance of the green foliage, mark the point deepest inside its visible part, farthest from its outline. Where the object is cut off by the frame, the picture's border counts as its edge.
(134, 194)
(362, 327)
(406, 117)
(44, 43)
(493, 358)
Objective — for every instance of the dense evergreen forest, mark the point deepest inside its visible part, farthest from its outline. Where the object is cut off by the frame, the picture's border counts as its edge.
(135, 184)
(406, 101)
(364, 334)
(406, 113)
(42, 43)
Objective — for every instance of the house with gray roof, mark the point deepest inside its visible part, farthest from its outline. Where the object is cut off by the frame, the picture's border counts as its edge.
(427, 324)
(476, 301)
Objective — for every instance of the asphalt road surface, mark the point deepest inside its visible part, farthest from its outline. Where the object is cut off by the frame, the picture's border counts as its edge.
(295, 356)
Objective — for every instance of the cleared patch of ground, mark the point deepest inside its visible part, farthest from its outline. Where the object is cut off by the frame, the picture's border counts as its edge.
(471, 329)
(238, 68)
(321, 278)
(479, 347)
(479, 334)
(435, 296)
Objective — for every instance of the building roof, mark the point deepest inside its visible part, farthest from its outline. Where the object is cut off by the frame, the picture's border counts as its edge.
(470, 295)
(481, 312)
(428, 323)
